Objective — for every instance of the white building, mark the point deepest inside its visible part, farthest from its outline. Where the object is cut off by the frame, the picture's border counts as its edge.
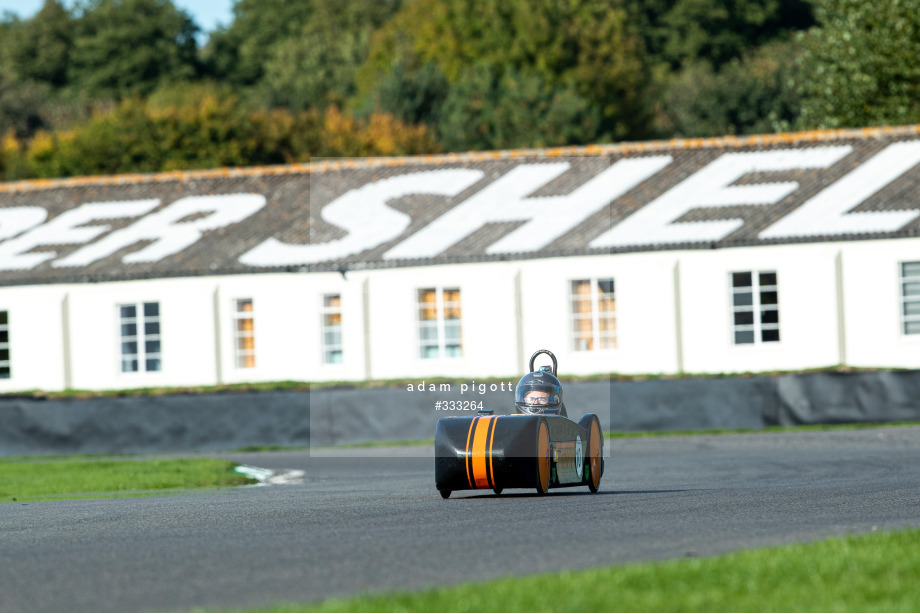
(769, 253)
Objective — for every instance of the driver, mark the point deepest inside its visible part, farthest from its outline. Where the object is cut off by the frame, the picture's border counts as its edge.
(538, 392)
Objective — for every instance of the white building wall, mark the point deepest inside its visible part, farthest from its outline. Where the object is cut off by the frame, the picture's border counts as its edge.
(872, 304)
(806, 280)
(351, 288)
(186, 325)
(497, 342)
(645, 312)
(509, 310)
(280, 321)
(36, 333)
(489, 326)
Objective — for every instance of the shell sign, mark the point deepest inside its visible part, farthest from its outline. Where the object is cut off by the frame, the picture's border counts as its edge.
(719, 193)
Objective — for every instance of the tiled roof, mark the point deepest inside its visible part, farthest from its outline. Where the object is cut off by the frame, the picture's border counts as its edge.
(681, 194)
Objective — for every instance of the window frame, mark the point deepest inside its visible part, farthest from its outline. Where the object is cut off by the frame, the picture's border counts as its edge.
(440, 323)
(906, 319)
(325, 328)
(239, 316)
(595, 296)
(142, 355)
(757, 308)
(6, 366)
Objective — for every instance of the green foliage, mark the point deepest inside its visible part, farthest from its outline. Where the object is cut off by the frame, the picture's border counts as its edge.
(316, 67)
(39, 49)
(9, 26)
(861, 62)
(21, 106)
(123, 48)
(488, 109)
(411, 95)
(205, 126)
(81, 88)
(586, 45)
(755, 94)
(680, 32)
(11, 159)
(238, 53)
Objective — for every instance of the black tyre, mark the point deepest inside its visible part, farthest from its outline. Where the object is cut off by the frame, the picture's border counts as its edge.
(444, 493)
(595, 458)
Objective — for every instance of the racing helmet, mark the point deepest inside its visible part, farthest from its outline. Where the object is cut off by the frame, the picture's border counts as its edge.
(548, 389)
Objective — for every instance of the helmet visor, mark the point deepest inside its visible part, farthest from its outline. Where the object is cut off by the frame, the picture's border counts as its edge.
(538, 395)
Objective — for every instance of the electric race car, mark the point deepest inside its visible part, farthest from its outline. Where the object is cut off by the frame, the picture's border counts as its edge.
(537, 447)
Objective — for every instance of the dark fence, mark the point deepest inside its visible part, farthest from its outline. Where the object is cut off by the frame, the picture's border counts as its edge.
(327, 417)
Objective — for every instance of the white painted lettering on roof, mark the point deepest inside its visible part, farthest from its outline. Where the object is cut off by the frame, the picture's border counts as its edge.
(168, 234)
(366, 220)
(826, 213)
(19, 219)
(364, 213)
(67, 228)
(711, 187)
(547, 218)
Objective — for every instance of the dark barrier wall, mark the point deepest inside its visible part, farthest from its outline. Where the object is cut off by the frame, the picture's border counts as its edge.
(333, 416)
(153, 424)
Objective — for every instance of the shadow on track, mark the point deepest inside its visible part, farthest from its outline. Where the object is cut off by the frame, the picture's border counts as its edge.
(533, 495)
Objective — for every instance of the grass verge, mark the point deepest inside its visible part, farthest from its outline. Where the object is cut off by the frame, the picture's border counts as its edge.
(869, 573)
(24, 479)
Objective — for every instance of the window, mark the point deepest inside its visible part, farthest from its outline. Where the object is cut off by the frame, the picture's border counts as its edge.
(755, 307)
(594, 323)
(910, 297)
(140, 337)
(332, 329)
(4, 345)
(439, 322)
(244, 331)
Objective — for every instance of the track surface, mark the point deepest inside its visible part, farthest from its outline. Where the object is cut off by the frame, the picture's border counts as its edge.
(371, 520)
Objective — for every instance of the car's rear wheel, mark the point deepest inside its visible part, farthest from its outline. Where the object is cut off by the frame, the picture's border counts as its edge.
(595, 455)
(543, 459)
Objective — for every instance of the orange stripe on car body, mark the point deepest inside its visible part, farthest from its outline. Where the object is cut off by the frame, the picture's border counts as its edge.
(469, 452)
(480, 440)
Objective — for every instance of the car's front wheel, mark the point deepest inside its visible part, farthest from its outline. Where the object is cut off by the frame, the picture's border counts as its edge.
(543, 458)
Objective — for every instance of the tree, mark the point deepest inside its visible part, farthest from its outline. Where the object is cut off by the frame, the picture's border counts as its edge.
(415, 96)
(22, 106)
(862, 67)
(588, 45)
(317, 66)
(11, 159)
(238, 53)
(680, 32)
(206, 126)
(129, 47)
(34, 61)
(9, 25)
(39, 50)
(492, 109)
(752, 95)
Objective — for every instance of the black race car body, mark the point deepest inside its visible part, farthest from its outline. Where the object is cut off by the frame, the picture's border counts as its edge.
(517, 451)
(524, 450)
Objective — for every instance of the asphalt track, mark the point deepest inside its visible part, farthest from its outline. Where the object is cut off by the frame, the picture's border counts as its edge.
(370, 520)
